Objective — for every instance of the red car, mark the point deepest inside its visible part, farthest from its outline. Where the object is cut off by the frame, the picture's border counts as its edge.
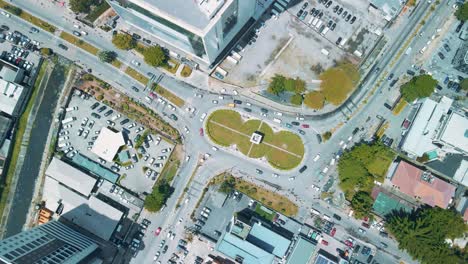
(305, 125)
(332, 233)
(156, 233)
(348, 243)
(325, 242)
(201, 132)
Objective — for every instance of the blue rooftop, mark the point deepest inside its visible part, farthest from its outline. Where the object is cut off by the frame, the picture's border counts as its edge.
(95, 168)
(262, 237)
(233, 247)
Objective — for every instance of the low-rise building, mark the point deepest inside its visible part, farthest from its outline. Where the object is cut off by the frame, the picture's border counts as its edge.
(388, 8)
(422, 186)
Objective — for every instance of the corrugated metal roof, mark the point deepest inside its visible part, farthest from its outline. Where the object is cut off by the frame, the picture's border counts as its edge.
(233, 247)
(302, 252)
(266, 238)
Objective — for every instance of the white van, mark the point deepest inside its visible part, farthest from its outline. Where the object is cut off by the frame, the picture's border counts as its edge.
(326, 217)
(325, 170)
(317, 158)
(278, 113)
(277, 120)
(315, 212)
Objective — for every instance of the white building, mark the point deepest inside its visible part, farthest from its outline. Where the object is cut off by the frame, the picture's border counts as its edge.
(107, 144)
(199, 30)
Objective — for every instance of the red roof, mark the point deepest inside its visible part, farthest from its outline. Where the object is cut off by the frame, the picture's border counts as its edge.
(436, 193)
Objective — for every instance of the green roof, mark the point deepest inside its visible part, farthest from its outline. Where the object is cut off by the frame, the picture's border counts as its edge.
(233, 247)
(95, 168)
(385, 204)
(268, 240)
(302, 252)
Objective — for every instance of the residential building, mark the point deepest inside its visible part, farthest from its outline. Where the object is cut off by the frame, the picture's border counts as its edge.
(200, 30)
(52, 243)
(422, 186)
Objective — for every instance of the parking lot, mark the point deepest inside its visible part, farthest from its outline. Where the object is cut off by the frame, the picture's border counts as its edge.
(139, 160)
(19, 49)
(301, 39)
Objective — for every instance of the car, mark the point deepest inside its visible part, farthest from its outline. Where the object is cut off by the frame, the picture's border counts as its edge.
(362, 231)
(337, 217)
(237, 102)
(348, 18)
(136, 63)
(76, 33)
(383, 245)
(441, 55)
(295, 123)
(108, 113)
(340, 11)
(135, 89)
(248, 110)
(333, 26)
(366, 225)
(317, 157)
(288, 125)
(156, 256)
(94, 106)
(338, 41)
(259, 171)
(335, 9)
(324, 242)
(304, 15)
(302, 169)
(369, 259)
(5, 27)
(348, 243)
(410, 72)
(383, 234)
(165, 249)
(329, 4)
(97, 116)
(353, 20)
(5, 14)
(34, 30)
(333, 231)
(390, 76)
(344, 14)
(366, 250)
(201, 131)
(305, 125)
(292, 178)
(62, 46)
(305, 5)
(215, 101)
(299, 14)
(302, 132)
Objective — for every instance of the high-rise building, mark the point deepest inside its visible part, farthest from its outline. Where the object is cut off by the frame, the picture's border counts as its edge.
(51, 243)
(197, 29)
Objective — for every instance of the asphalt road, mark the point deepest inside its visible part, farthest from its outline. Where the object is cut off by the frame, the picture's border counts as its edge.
(222, 159)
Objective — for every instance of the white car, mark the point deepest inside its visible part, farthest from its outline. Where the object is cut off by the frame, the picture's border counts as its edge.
(332, 162)
(5, 14)
(325, 170)
(278, 113)
(214, 102)
(214, 148)
(221, 97)
(292, 178)
(317, 158)
(275, 175)
(202, 117)
(186, 129)
(136, 63)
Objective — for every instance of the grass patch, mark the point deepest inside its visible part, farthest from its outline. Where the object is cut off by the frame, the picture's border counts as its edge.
(170, 169)
(269, 199)
(116, 63)
(284, 150)
(22, 123)
(169, 95)
(79, 43)
(30, 18)
(186, 71)
(136, 75)
(97, 11)
(267, 215)
(172, 69)
(338, 82)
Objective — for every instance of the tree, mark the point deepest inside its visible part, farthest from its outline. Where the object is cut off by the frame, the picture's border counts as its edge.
(277, 84)
(123, 41)
(464, 83)
(227, 186)
(81, 6)
(326, 136)
(107, 56)
(314, 100)
(154, 56)
(422, 234)
(296, 99)
(418, 87)
(14, 10)
(462, 12)
(362, 204)
(338, 82)
(158, 197)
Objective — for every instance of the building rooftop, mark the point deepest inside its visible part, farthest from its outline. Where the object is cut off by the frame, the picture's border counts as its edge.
(455, 132)
(268, 240)
(196, 13)
(419, 139)
(429, 189)
(5, 126)
(70, 176)
(390, 8)
(92, 214)
(10, 94)
(95, 168)
(232, 246)
(324, 257)
(302, 252)
(107, 144)
(452, 165)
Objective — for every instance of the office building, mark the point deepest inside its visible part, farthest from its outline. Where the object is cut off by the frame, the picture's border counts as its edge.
(199, 30)
(51, 243)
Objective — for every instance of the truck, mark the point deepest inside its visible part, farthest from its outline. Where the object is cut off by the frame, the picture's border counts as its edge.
(319, 24)
(68, 120)
(310, 20)
(316, 20)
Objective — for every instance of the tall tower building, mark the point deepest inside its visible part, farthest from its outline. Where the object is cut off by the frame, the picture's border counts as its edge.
(199, 30)
(50, 243)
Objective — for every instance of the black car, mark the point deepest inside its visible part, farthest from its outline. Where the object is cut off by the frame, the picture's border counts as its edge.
(136, 36)
(447, 47)
(5, 27)
(353, 20)
(369, 259)
(108, 113)
(263, 110)
(393, 82)
(459, 27)
(345, 14)
(259, 171)
(299, 14)
(247, 109)
(410, 72)
(348, 18)
(102, 108)
(441, 55)
(135, 89)
(174, 117)
(383, 234)
(335, 9)
(62, 46)
(329, 4)
(302, 132)
(94, 106)
(338, 41)
(95, 115)
(340, 11)
(304, 168)
(125, 121)
(164, 250)
(305, 5)
(295, 123)
(330, 23)
(333, 26)
(390, 76)
(237, 102)
(337, 217)
(320, 14)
